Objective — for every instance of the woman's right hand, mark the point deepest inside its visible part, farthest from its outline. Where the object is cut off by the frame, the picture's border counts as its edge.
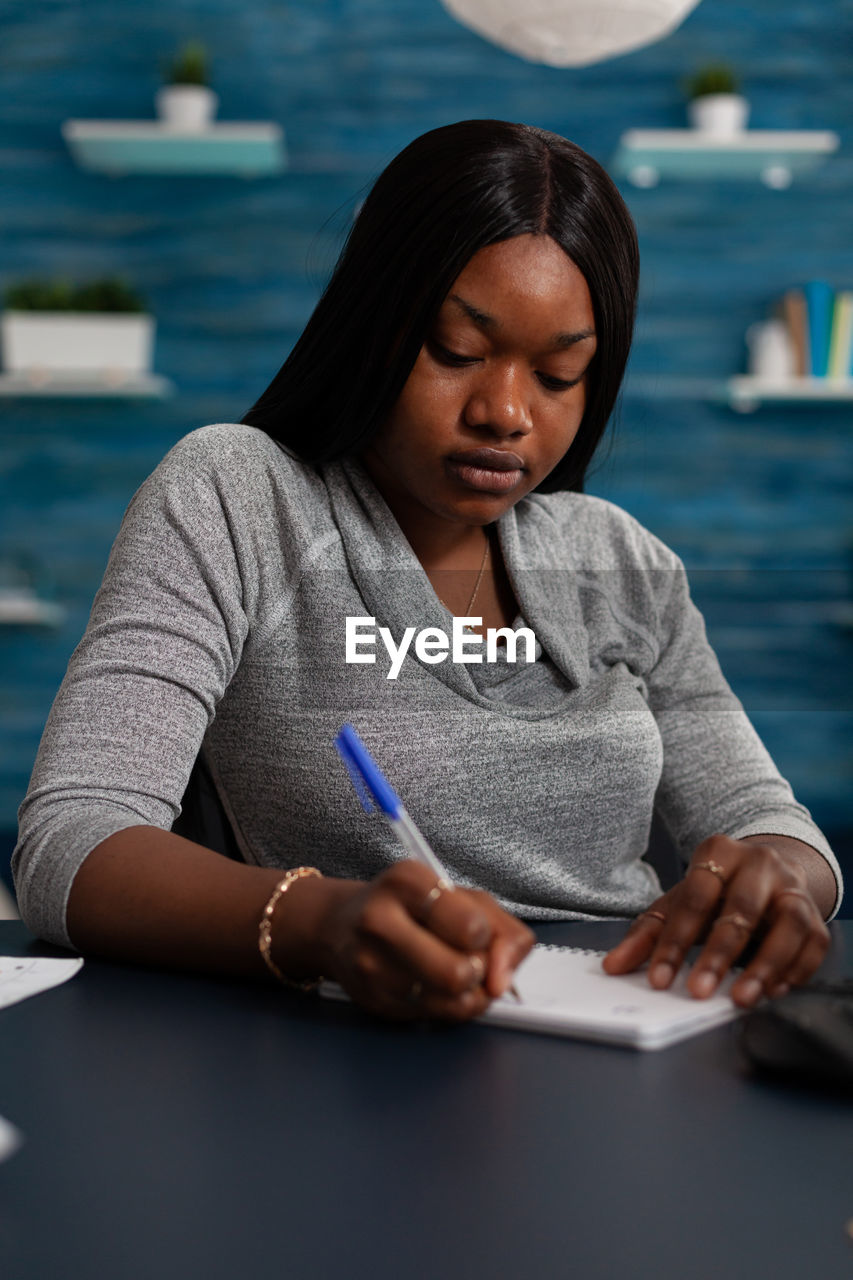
(402, 950)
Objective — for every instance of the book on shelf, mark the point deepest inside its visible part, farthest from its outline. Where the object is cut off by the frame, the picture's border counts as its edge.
(794, 314)
(841, 336)
(819, 308)
(819, 322)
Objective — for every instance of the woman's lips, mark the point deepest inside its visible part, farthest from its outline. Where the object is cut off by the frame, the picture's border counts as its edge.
(487, 470)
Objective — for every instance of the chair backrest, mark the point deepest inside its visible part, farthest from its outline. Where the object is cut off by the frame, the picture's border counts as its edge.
(663, 855)
(203, 817)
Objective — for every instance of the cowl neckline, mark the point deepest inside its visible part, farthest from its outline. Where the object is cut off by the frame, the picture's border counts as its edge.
(398, 593)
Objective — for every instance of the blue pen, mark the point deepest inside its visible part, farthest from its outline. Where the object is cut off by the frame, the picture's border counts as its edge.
(372, 787)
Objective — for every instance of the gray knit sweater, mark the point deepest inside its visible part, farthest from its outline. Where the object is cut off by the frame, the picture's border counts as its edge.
(220, 626)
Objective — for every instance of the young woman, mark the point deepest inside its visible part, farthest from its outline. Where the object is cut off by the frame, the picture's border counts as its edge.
(419, 457)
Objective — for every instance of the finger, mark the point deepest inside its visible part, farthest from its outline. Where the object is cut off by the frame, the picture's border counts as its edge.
(808, 961)
(511, 941)
(387, 922)
(638, 944)
(793, 927)
(730, 933)
(740, 914)
(694, 903)
(461, 1008)
(466, 919)
(377, 981)
(505, 955)
(452, 915)
(414, 999)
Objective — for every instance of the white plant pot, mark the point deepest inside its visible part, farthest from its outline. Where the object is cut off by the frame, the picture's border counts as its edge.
(186, 107)
(114, 346)
(723, 114)
(771, 351)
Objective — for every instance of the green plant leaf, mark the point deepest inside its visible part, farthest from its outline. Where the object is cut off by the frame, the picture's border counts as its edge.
(190, 66)
(714, 78)
(108, 294)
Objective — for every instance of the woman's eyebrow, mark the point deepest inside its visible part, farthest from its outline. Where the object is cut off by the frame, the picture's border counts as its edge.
(489, 322)
(473, 313)
(569, 339)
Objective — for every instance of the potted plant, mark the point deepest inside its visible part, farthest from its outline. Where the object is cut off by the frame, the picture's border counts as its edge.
(52, 327)
(715, 104)
(185, 102)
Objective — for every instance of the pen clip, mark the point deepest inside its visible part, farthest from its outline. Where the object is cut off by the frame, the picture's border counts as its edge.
(370, 783)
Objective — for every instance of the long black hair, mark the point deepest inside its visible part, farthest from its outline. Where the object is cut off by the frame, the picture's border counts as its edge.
(450, 193)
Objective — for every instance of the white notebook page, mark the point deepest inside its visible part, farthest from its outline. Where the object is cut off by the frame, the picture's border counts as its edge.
(565, 991)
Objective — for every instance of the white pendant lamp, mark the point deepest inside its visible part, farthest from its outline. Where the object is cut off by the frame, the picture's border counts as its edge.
(571, 33)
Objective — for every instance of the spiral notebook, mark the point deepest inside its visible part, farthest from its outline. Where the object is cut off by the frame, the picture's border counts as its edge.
(565, 992)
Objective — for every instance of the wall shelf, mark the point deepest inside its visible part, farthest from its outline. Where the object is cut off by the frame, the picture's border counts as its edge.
(21, 607)
(85, 386)
(121, 147)
(746, 393)
(743, 393)
(773, 156)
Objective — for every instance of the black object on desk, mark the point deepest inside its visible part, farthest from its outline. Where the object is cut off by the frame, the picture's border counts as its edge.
(179, 1126)
(806, 1037)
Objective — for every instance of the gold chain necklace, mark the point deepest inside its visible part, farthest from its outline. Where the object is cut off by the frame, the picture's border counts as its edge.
(470, 604)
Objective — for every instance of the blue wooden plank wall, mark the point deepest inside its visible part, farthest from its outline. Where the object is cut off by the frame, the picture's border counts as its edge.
(757, 505)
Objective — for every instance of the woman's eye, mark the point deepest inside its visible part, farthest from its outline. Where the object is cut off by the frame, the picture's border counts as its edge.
(457, 360)
(556, 384)
(451, 357)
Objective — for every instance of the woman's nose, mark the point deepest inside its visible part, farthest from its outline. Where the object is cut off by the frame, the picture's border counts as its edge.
(499, 400)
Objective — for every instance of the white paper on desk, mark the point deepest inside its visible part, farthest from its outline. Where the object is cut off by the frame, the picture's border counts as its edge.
(22, 976)
(565, 992)
(10, 1139)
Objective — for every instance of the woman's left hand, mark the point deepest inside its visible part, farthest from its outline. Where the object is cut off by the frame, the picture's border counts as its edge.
(732, 894)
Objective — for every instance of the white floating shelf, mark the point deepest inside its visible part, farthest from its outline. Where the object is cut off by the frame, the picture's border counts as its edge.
(119, 147)
(746, 393)
(21, 607)
(85, 386)
(774, 156)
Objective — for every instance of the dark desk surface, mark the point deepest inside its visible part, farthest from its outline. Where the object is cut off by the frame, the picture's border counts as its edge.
(190, 1127)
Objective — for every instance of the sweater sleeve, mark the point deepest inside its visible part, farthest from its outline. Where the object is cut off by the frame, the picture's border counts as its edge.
(164, 638)
(718, 776)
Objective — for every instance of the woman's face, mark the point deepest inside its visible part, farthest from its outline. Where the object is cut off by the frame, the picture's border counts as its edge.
(497, 393)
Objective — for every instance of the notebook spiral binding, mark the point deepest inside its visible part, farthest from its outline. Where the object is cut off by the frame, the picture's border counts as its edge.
(578, 951)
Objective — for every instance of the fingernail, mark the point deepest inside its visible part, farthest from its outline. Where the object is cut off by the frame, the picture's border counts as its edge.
(662, 975)
(704, 984)
(749, 991)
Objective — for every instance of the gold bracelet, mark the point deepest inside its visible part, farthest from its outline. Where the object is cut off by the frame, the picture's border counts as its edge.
(265, 928)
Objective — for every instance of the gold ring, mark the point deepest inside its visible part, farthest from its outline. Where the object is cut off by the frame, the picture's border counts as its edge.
(435, 892)
(737, 921)
(656, 915)
(714, 868)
